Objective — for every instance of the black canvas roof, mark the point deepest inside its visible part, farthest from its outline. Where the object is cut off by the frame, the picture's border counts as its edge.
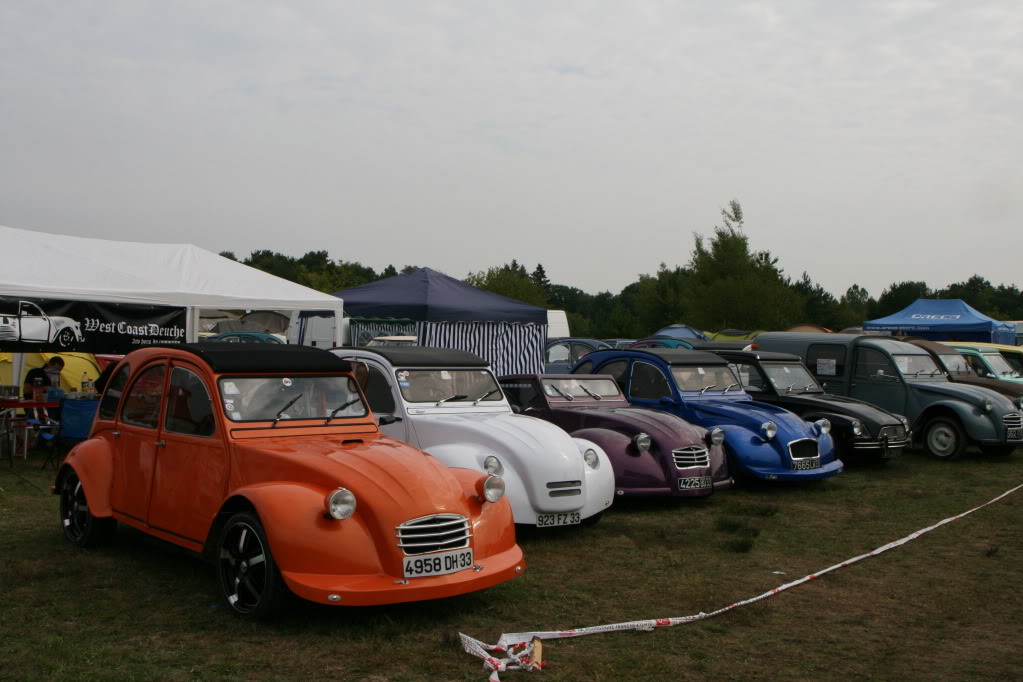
(766, 356)
(673, 356)
(264, 357)
(419, 356)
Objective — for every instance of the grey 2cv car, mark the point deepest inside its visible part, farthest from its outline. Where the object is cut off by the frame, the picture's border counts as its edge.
(904, 379)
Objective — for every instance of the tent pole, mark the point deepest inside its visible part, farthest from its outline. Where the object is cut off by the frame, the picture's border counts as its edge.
(191, 324)
(17, 368)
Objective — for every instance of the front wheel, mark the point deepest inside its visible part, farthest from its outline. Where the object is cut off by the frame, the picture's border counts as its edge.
(997, 450)
(944, 438)
(79, 525)
(65, 337)
(249, 578)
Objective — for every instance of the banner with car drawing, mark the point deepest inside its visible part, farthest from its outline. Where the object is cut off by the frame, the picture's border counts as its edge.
(53, 325)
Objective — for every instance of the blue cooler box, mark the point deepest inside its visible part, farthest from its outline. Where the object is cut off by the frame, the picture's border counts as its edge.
(76, 418)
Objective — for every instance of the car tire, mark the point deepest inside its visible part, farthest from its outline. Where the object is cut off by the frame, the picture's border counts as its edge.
(944, 438)
(80, 527)
(998, 450)
(65, 337)
(250, 581)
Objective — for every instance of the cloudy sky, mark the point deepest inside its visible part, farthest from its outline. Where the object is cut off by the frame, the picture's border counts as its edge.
(869, 142)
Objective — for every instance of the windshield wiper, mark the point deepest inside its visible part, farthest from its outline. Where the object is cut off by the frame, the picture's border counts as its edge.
(457, 396)
(563, 394)
(788, 389)
(591, 393)
(341, 407)
(707, 388)
(730, 386)
(291, 402)
(485, 395)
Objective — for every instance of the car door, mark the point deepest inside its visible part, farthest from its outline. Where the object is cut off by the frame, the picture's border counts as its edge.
(383, 399)
(34, 324)
(558, 358)
(647, 385)
(136, 433)
(876, 381)
(191, 469)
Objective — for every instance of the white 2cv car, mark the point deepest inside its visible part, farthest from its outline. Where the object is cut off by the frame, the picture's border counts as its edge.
(448, 403)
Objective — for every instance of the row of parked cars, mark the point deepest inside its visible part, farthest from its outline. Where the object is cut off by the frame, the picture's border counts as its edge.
(387, 474)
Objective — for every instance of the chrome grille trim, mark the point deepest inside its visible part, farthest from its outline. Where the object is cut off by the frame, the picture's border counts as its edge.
(434, 533)
(804, 448)
(690, 456)
(1013, 420)
(563, 484)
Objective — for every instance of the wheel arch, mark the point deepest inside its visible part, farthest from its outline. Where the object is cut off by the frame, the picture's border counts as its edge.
(92, 462)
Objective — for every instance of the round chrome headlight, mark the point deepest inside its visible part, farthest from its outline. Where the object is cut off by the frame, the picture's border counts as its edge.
(340, 504)
(641, 441)
(492, 465)
(857, 427)
(824, 425)
(769, 430)
(591, 458)
(715, 436)
(904, 420)
(1019, 403)
(988, 405)
(493, 488)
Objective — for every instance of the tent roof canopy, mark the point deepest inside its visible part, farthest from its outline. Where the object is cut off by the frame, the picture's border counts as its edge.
(426, 295)
(930, 314)
(41, 265)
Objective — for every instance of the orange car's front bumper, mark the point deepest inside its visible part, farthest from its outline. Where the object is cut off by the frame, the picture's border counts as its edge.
(369, 590)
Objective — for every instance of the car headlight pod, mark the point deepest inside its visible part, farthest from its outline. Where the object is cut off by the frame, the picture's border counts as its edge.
(988, 405)
(641, 441)
(490, 489)
(340, 504)
(591, 458)
(1019, 403)
(824, 425)
(904, 420)
(715, 436)
(857, 428)
(492, 465)
(768, 430)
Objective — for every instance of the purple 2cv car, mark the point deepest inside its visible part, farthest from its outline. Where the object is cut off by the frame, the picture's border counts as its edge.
(651, 452)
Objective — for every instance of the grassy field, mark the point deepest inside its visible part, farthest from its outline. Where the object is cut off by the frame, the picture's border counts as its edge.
(946, 606)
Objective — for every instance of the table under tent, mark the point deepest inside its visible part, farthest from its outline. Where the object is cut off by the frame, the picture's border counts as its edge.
(443, 312)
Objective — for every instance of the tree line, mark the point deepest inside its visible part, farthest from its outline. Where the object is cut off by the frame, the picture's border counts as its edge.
(724, 285)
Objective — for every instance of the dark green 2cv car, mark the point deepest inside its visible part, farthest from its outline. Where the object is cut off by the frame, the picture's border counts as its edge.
(861, 431)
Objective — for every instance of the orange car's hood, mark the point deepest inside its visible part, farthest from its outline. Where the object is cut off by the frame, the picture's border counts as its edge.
(393, 482)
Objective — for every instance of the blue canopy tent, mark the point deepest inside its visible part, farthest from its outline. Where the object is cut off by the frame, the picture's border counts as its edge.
(449, 313)
(944, 320)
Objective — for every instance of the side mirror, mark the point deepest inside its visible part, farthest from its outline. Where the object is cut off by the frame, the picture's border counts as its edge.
(516, 409)
(385, 419)
(667, 400)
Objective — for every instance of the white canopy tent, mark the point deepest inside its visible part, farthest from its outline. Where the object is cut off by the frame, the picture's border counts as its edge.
(42, 265)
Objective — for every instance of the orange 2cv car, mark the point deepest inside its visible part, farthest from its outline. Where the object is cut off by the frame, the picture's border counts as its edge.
(267, 461)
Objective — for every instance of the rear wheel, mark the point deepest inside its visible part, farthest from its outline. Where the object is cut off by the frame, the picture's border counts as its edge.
(944, 438)
(997, 450)
(249, 578)
(79, 525)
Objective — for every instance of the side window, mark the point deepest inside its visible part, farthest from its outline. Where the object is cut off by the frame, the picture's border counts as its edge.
(826, 359)
(189, 408)
(871, 363)
(522, 394)
(648, 383)
(750, 376)
(557, 353)
(616, 369)
(112, 395)
(579, 350)
(142, 404)
(976, 364)
(585, 368)
(378, 392)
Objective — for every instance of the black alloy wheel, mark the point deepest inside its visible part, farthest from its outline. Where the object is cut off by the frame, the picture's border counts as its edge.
(249, 578)
(79, 525)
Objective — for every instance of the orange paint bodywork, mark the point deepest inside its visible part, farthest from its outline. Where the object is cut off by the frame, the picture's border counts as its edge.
(176, 487)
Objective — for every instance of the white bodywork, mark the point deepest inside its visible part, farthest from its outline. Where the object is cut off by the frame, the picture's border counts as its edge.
(533, 452)
(31, 324)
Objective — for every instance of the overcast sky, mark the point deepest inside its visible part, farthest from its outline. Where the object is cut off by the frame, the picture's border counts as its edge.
(868, 142)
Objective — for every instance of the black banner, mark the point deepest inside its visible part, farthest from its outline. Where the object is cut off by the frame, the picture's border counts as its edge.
(53, 326)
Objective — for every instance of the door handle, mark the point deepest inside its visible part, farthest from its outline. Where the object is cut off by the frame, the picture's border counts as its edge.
(161, 443)
(116, 434)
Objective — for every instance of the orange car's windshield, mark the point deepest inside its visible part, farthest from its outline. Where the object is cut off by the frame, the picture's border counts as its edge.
(266, 398)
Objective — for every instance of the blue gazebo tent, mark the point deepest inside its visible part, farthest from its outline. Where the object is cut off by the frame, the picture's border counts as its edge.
(944, 320)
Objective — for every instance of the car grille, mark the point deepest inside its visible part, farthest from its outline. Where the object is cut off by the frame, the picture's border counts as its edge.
(803, 448)
(435, 533)
(896, 435)
(565, 488)
(691, 456)
(1013, 420)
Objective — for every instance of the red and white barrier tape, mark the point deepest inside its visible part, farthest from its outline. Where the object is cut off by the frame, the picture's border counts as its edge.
(513, 651)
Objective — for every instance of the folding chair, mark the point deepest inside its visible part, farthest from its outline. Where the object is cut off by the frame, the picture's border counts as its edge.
(46, 429)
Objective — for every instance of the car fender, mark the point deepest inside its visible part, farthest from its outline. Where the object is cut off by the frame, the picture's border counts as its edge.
(92, 462)
(977, 424)
(749, 449)
(626, 457)
(468, 457)
(600, 482)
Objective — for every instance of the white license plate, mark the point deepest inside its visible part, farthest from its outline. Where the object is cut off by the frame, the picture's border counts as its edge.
(438, 564)
(695, 483)
(548, 520)
(1014, 434)
(803, 464)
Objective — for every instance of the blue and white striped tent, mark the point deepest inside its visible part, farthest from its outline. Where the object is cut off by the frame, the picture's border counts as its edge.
(449, 313)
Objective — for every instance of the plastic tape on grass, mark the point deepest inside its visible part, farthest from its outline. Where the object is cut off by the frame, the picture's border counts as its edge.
(514, 651)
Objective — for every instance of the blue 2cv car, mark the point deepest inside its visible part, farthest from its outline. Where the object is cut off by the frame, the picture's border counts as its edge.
(762, 441)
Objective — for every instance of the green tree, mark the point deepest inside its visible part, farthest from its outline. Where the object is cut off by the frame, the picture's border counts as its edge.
(898, 296)
(509, 280)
